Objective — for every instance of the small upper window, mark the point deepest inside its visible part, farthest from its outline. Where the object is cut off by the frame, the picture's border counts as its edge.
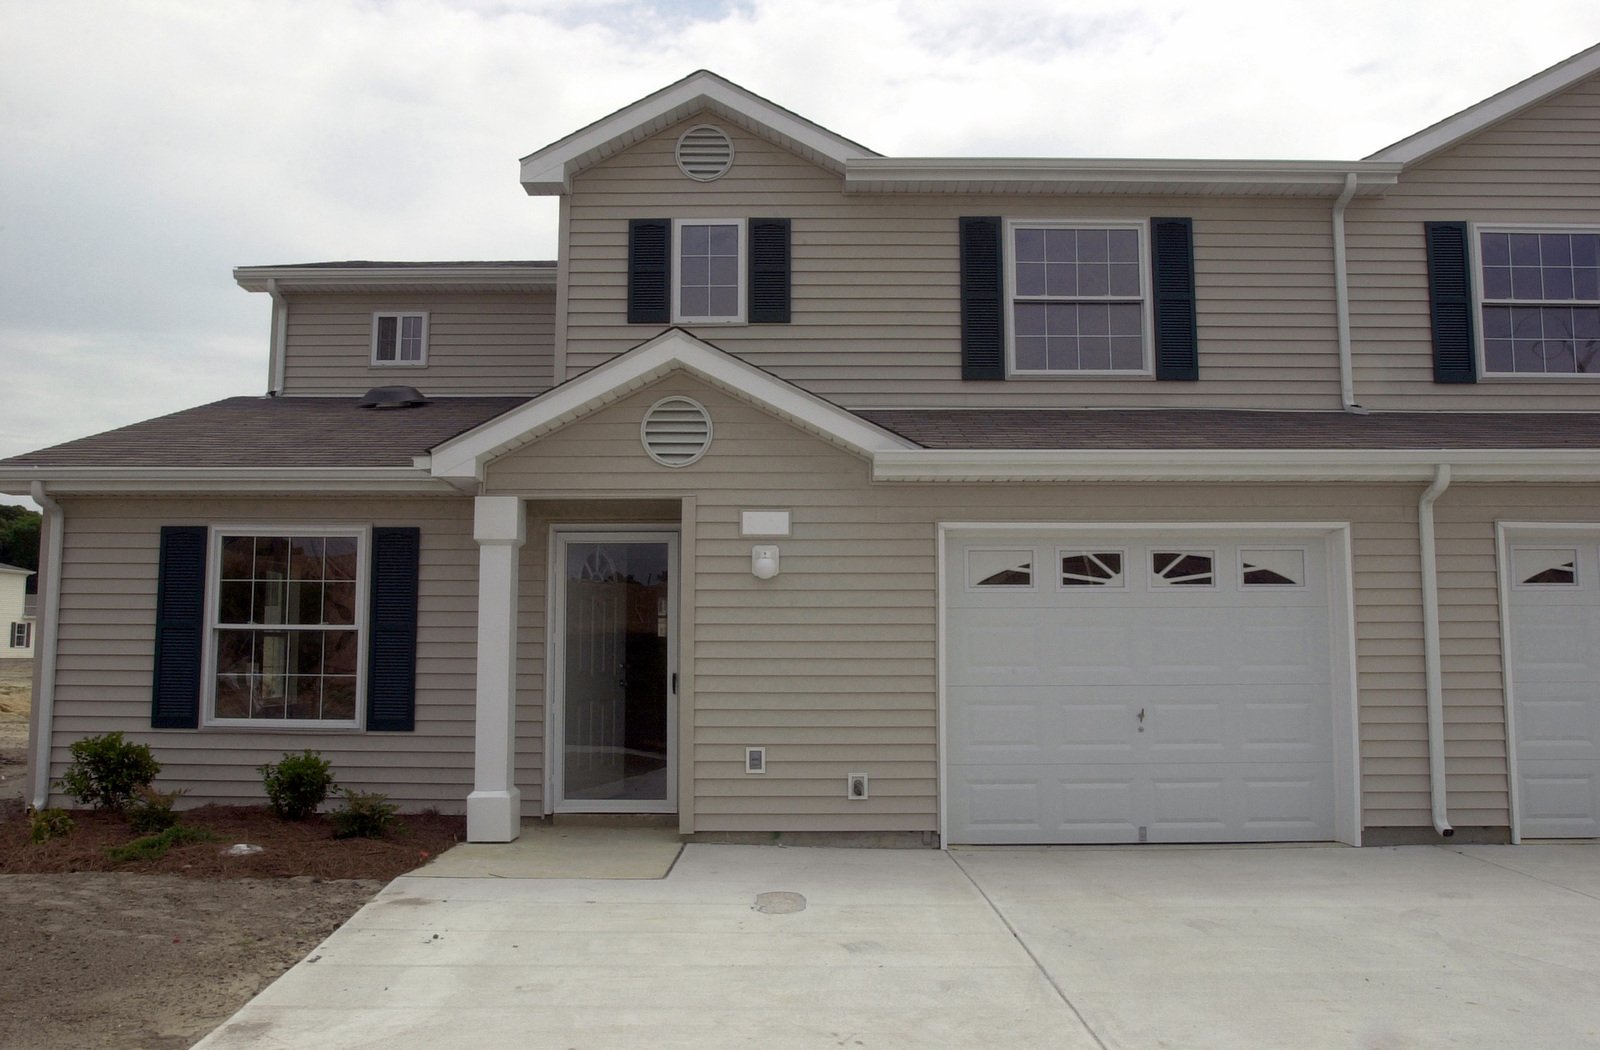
(1272, 567)
(709, 277)
(1182, 569)
(1091, 568)
(21, 635)
(1540, 301)
(399, 339)
(1078, 298)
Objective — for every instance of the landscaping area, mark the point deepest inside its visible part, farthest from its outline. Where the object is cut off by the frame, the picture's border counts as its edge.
(157, 948)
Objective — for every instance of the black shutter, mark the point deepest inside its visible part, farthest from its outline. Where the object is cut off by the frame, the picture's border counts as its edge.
(392, 634)
(649, 271)
(1172, 266)
(769, 271)
(983, 342)
(180, 627)
(1450, 302)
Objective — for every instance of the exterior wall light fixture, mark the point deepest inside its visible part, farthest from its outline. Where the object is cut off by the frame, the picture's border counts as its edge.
(763, 562)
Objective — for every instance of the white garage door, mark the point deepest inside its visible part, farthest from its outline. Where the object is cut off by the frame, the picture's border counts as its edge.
(1150, 690)
(1555, 678)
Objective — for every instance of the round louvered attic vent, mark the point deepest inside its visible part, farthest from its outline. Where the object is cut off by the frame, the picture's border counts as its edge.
(676, 431)
(704, 153)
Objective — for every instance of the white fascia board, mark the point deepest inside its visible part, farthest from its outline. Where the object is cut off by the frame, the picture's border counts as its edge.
(17, 481)
(1288, 465)
(465, 456)
(1284, 177)
(1492, 110)
(550, 170)
(333, 278)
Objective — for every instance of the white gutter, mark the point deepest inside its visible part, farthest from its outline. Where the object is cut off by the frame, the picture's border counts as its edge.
(343, 480)
(1341, 299)
(280, 338)
(1431, 660)
(49, 619)
(1305, 465)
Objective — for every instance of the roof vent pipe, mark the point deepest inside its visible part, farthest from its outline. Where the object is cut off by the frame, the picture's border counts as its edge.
(392, 397)
(1341, 301)
(1432, 664)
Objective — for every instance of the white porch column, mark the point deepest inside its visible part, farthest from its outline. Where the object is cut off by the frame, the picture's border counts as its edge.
(494, 809)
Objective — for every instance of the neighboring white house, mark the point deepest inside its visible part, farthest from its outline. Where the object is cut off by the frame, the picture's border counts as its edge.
(15, 615)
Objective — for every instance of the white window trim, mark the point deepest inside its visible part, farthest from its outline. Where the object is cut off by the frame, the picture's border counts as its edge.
(208, 690)
(975, 587)
(676, 266)
(1251, 588)
(1518, 584)
(1140, 227)
(1154, 582)
(399, 314)
(1476, 231)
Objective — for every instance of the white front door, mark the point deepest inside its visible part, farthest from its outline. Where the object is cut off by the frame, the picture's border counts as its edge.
(612, 718)
(1554, 601)
(1138, 689)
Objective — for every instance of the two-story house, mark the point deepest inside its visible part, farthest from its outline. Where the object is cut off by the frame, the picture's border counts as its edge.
(949, 500)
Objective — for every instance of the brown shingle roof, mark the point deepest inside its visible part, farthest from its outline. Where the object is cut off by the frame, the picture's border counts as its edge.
(276, 432)
(1217, 429)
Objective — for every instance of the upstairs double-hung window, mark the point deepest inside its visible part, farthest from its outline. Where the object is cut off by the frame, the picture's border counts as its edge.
(708, 283)
(400, 339)
(1539, 291)
(1078, 298)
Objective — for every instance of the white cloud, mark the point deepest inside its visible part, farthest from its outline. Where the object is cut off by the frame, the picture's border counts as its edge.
(148, 146)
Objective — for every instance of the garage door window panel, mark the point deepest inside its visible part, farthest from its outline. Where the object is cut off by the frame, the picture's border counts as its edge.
(1183, 568)
(999, 569)
(1545, 566)
(1272, 567)
(1092, 569)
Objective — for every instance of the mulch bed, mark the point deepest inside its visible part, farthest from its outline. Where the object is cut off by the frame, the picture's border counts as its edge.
(289, 848)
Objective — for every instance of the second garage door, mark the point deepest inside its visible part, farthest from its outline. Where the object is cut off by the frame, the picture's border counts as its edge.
(1165, 689)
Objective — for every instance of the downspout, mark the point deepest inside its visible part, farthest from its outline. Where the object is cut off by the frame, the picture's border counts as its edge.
(1432, 664)
(280, 338)
(1341, 301)
(50, 619)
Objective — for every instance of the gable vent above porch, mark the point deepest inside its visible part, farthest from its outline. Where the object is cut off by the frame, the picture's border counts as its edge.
(676, 431)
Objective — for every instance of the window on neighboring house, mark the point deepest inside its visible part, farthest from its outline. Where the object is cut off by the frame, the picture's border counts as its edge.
(21, 635)
(399, 339)
(708, 278)
(286, 626)
(1539, 301)
(1078, 298)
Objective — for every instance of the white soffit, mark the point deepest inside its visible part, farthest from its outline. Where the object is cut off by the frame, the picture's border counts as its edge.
(1262, 178)
(550, 170)
(1493, 110)
(466, 456)
(460, 277)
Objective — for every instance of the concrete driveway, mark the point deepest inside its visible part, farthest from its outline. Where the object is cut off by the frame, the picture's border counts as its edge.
(751, 946)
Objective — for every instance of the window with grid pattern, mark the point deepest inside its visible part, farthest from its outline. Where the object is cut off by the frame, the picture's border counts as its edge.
(1540, 301)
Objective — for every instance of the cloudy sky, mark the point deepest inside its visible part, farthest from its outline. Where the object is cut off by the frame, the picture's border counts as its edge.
(149, 146)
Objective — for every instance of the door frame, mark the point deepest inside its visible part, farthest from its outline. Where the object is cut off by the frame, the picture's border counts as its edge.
(1341, 622)
(555, 660)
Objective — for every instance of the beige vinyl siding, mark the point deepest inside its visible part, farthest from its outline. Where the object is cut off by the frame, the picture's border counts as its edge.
(1542, 166)
(875, 295)
(107, 637)
(478, 343)
(831, 666)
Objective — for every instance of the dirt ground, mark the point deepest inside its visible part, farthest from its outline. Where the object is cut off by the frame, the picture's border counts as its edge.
(153, 955)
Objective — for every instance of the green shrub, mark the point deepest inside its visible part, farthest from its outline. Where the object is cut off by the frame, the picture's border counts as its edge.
(154, 847)
(151, 810)
(46, 824)
(107, 770)
(297, 784)
(364, 815)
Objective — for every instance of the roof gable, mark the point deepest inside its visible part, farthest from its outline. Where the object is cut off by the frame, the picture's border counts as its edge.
(1492, 110)
(551, 169)
(465, 457)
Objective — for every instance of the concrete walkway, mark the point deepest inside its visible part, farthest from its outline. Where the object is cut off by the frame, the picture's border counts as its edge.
(752, 946)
